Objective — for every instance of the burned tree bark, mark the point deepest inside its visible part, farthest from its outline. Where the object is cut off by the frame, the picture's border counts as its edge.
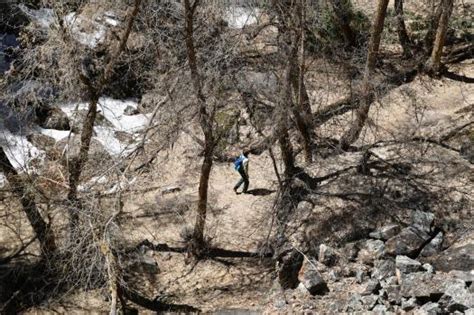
(352, 134)
(40, 227)
(434, 63)
(205, 120)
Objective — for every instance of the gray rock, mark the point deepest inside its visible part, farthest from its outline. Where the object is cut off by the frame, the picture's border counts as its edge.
(380, 309)
(361, 275)
(428, 268)
(371, 287)
(350, 251)
(429, 308)
(406, 264)
(130, 111)
(407, 242)
(467, 151)
(312, 280)
(433, 247)
(454, 258)
(334, 275)
(409, 304)
(371, 250)
(422, 220)
(386, 232)
(383, 269)
(354, 304)
(327, 255)
(466, 276)
(54, 118)
(469, 311)
(369, 301)
(393, 280)
(457, 297)
(393, 294)
(421, 285)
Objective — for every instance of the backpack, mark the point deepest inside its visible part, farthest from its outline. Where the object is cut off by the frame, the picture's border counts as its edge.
(238, 162)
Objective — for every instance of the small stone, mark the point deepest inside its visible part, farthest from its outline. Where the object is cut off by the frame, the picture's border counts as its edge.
(429, 308)
(383, 269)
(169, 190)
(371, 287)
(371, 250)
(386, 232)
(312, 280)
(423, 220)
(130, 110)
(406, 264)
(409, 304)
(393, 280)
(379, 309)
(428, 268)
(327, 255)
(407, 242)
(361, 274)
(433, 247)
(351, 250)
(354, 304)
(369, 301)
(393, 294)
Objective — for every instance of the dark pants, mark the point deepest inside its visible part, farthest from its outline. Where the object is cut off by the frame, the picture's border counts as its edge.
(243, 180)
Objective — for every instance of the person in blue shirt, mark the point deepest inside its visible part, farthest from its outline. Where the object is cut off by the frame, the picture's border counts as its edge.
(241, 165)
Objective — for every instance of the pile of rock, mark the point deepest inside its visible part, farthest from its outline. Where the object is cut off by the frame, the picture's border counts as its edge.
(399, 269)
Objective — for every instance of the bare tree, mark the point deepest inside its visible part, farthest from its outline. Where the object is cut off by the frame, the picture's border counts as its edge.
(352, 134)
(403, 36)
(434, 63)
(94, 89)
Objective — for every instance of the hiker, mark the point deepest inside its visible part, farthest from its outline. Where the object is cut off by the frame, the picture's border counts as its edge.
(241, 165)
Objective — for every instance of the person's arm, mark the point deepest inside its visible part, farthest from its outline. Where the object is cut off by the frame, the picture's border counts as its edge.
(246, 166)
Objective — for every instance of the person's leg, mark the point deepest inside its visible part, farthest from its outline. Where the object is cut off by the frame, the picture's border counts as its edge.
(239, 183)
(246, 182)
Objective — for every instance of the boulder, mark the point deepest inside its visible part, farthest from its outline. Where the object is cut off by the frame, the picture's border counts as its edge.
(311, 279)
(457, 296)
(52, 118)
(407, 265)
(421, 285)
(429, 308)
(290, 265)
(386, 232)
(383, 269)
(370, 287)
(130, 111)
(327, 255)
(422, 220)
(433, 247)
(466, 276)
(409, 304)
(454, 258)
(371, 250)
(407, 242)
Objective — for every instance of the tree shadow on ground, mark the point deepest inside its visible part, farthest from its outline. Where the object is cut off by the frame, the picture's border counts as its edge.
(260, 192)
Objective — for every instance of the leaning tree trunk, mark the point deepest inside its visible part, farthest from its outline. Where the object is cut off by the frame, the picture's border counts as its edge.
(342, 18)
(367, 95)
(40, 227)
(205, 119)
(434, 63)
(94, 89)
(403, 36)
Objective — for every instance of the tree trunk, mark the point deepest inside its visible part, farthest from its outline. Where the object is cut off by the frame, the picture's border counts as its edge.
(95, 89)
(342, 17)
(291, 29)
(405, 41)
(40, 227)
(433, 25)
(434, 63)
(362, 112)
(205, 120)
